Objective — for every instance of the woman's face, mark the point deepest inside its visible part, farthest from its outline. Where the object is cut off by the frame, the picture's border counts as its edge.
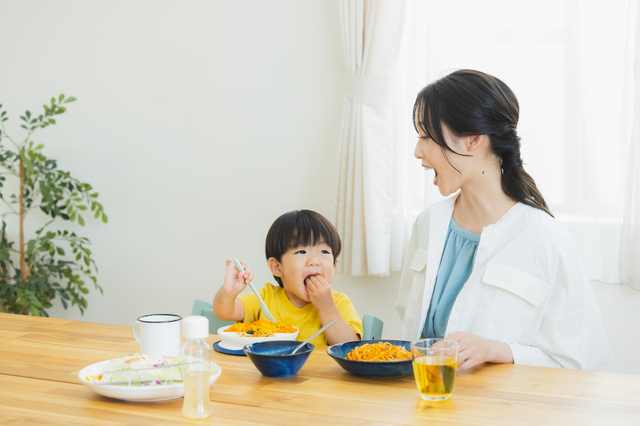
(447, 179)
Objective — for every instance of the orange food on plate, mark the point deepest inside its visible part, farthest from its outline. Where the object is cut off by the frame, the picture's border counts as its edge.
(260, 328)
(379, 352)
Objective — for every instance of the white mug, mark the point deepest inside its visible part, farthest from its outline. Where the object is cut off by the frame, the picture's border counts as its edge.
(159, 334)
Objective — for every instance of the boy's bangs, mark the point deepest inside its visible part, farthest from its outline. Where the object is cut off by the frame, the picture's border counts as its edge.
(308, 233)
(301, 228)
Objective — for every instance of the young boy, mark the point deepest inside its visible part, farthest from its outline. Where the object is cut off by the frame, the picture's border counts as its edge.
(302, 248)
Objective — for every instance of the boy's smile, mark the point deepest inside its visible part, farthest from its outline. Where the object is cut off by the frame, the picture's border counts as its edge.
(300, 263)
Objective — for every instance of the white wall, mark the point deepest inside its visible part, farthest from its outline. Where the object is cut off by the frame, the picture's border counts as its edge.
(199, 123)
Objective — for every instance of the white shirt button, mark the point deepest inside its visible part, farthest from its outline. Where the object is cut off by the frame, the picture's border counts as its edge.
(483, 248)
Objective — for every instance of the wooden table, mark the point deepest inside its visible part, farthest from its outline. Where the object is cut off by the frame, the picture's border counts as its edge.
(40, 359)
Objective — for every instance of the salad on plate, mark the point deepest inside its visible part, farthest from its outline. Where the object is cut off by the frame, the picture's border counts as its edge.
(143, 370)
(141, 377)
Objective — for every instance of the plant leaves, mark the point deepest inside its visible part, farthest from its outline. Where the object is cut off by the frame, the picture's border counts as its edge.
(80, 220)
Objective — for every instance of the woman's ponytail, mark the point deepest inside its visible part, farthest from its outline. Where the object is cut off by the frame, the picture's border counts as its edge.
(520, 186)
(516, 182)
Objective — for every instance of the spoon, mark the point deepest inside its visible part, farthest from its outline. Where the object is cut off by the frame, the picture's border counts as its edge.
(327, 325)
(264, 308)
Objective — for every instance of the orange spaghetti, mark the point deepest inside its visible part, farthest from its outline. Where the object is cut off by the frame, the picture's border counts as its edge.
(260, 328)
(381, 351)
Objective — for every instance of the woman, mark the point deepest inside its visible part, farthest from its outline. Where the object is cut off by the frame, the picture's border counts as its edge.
(490, 267)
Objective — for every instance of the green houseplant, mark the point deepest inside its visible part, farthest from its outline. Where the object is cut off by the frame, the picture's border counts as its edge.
(53, 262)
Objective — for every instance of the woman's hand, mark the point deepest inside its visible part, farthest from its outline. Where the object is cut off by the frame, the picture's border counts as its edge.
(475, 350)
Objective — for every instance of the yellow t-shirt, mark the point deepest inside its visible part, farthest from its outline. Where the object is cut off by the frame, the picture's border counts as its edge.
(306, 319)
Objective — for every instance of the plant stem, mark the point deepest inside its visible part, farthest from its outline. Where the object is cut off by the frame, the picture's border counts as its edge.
(23, 266)
(9, 205)
(4, 132)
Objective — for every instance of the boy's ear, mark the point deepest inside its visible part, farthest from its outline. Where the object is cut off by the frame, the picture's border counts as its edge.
(335, 264)
(275, 266)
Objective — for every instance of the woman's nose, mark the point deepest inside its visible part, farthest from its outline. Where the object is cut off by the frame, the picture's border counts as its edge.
(417, 152)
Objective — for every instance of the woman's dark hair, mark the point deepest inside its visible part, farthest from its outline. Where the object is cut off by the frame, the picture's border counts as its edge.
(300, 228)
(471, 103)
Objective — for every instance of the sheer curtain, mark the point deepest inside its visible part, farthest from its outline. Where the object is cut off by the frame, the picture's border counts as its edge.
(568, 63)
(630, 244)
(361, 208)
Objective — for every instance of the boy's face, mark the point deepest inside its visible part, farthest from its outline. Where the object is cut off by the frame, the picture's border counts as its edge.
(298, 264)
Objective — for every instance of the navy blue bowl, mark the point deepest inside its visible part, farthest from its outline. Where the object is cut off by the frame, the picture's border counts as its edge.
(274, 359)
(371, 368)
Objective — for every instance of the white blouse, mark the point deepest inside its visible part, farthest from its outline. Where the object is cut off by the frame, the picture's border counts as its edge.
(527, 289)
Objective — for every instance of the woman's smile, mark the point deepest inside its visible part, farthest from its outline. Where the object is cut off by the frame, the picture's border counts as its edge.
(435, 179)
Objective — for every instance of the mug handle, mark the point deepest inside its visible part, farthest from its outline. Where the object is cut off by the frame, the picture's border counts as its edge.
(135, 331)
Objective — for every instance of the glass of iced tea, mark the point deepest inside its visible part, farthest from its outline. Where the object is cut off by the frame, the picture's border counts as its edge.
(434, 367)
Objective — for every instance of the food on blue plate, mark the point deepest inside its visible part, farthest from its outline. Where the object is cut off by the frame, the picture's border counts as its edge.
(381, 351)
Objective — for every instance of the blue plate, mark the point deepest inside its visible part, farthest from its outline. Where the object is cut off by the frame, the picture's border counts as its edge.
(371, 368)
(222, 350)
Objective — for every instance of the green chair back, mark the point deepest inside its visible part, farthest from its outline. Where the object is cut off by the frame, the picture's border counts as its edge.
(371, 327)
(200, 307)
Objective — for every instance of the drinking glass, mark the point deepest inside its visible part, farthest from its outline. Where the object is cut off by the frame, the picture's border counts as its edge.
(434, 367)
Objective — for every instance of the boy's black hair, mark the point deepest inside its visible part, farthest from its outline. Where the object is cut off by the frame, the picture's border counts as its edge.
(300, 228)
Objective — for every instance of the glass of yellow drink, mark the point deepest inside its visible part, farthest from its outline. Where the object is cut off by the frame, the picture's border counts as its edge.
(434, 367)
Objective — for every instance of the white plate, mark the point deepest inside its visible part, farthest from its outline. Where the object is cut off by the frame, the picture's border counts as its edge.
(234, 342)
(136, 393)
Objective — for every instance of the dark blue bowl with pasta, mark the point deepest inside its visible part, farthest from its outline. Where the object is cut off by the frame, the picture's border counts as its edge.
(399, 368)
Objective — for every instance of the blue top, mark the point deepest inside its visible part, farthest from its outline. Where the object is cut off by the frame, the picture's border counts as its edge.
(455, 268)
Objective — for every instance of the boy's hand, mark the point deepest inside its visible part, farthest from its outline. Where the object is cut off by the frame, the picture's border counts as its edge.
(319, 292)
(235, 282)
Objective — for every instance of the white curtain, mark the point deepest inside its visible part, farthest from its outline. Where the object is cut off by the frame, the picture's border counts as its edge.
(567, 62)
(362, 203)
(630, 244)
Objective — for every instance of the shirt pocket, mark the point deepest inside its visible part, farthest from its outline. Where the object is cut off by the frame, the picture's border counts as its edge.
(419, 260)
(510, 309)
(412, 286)
(517, 282)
